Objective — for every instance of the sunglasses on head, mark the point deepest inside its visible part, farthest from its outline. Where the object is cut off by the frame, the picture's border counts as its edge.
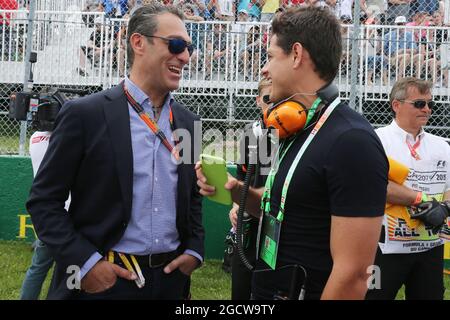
(176, 46)
(420, 104)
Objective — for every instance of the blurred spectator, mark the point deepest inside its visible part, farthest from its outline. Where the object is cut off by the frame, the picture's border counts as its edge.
(399, 45)
(269, 7)
(346, 28)
(222, 9)
(93, 50)
(420, 19)
(92, 5)
(5, 23)
(115, 8)
(345, 8)
(429, 6)
(397, 8)
(195, 31)
(251, 7)
(427, 63)
(376, 7)
(217, 49)
(377, 61)
(190, 12)
(314, 3)
(199, 7)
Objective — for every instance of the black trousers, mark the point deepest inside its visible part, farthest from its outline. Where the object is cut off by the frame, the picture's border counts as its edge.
(158, 286)
(421, 273)
(241, 276)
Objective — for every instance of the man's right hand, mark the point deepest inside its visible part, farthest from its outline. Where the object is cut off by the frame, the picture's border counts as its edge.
(208, 190)
(233, 215)
(103, 276)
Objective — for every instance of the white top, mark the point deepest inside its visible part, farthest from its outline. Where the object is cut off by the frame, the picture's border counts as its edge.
(430, 174)
(345, 8)
(226, 7)
(38, 146)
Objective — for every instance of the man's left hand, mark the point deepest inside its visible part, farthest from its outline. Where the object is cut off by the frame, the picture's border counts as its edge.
(185, 262)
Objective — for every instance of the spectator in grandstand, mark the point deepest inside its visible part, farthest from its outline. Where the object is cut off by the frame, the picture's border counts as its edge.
(196, 32)
(254, 53)
(410, 250)
(428, 6)
(377, 61)
(115, 8)
(5, 29)
(111, 160)
(190, 13)
(198, 6)
(92, 6)
(346, 29)
(376, 7)
(397, 8)
(401, 48)
(222, 9)
(419, 19)
(93, 49)
(428, 61)
(218, 50)
(346, 8)
(252, 7)
(269, 7)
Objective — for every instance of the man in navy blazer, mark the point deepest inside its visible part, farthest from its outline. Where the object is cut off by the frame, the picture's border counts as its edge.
(134, 227)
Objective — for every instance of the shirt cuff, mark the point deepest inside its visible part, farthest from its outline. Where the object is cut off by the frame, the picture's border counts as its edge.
(89, 264)
(194, 254)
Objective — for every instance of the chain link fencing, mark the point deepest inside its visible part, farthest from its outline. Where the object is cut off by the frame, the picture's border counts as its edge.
(87, 50)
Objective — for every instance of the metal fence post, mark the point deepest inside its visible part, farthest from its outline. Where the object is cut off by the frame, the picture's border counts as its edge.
(27, 84)
(355, 56)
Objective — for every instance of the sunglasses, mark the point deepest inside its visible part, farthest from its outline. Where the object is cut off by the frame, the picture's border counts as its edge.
(176, 46)
(420, 104)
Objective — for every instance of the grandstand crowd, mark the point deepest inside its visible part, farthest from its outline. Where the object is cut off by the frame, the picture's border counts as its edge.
(402, 37)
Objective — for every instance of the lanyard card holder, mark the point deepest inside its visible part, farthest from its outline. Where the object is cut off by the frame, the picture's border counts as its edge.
(270, 237)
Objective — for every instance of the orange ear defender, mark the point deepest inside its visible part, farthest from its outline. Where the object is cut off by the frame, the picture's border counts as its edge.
(287, 117)
(290, 117)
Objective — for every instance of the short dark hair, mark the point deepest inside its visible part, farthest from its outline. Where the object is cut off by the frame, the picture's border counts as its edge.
(144, 21)
(318, 31)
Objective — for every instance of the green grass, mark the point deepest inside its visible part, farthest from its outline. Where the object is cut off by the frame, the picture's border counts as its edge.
(10, 145)
(208, 283)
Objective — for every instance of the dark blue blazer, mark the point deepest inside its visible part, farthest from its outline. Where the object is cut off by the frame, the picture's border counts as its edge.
(90, 155)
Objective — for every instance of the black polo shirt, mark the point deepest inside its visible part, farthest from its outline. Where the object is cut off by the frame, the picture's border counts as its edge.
(343, 173)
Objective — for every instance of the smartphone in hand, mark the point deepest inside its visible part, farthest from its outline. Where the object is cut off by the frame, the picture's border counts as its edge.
(215, 171)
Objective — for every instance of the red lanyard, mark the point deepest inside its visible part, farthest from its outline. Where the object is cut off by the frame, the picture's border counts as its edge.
(151, 123)
(413, 149)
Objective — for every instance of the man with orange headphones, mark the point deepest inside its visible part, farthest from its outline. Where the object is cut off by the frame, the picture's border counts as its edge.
(323, 202)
